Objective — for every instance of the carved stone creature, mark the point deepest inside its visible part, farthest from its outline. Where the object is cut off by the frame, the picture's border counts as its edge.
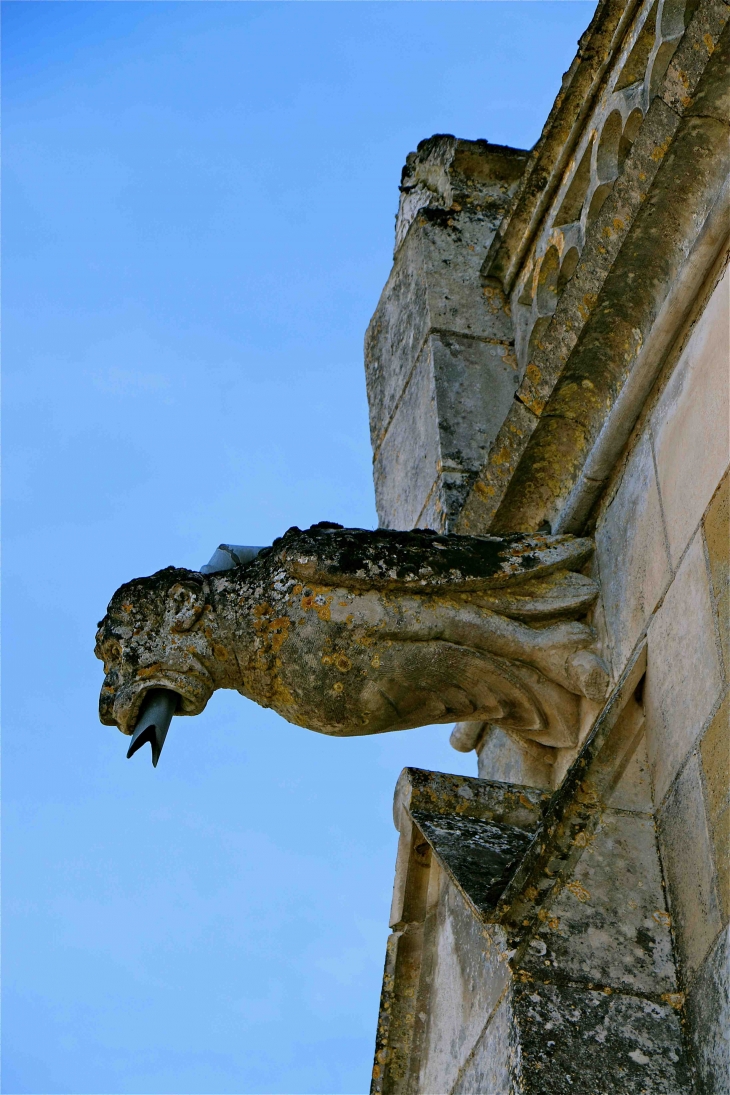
(348, 631)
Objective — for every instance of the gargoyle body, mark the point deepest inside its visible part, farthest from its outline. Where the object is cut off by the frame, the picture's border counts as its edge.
(349, 631)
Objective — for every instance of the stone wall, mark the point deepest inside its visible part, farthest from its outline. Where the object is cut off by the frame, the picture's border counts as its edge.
(663, 540)
(554, 355)
(630, 954)
(572, 988)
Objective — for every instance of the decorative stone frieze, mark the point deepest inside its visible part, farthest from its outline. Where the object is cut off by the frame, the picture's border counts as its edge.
(620, 101)
(635, 268)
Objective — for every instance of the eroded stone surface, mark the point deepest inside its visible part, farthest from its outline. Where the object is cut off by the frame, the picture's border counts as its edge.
(493, 1065)
(632, 554)
(439, 357)
(597, 1043)
(715, 754)
(687, 853)
(717, 538)
(715, 764)
(481, 856)
(445, 420)
(609, 925)
(692, 417)
(501, 756)
(709, 1008)
(469, 975)
(464, 796)
(684, 679)
(449, 174)
(581, 935)
(346, 631)
(634, 789)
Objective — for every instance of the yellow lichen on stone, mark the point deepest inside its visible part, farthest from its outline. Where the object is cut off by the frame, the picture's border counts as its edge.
(578, 890)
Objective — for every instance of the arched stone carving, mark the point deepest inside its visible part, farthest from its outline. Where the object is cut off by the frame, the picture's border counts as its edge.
(348, 632)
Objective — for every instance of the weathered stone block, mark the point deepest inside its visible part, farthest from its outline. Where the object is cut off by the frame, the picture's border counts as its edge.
(406, 464)
(500, 756)
(469, 975)
(609, 926)
(715, 754)
(722, 607)
(475, 386)
(632, 554)
(395, 338)
(480, 856)
(708, 1004)
(433, 512)
(505, 998)
(492, 1065)
(457, 300)
(692, 417)
(449, 413)
(434, 285)
(715, 760)
(438, 328)
(721, 844)
(688, 860)
(717, 537)
(448, 173)
(683, 680)
(585, 1041)
(633, 791)
(489, 486)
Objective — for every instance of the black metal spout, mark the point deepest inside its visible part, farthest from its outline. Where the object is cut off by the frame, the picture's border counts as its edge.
(159, 705)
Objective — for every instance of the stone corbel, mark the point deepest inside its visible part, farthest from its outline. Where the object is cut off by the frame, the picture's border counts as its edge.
(349, 632)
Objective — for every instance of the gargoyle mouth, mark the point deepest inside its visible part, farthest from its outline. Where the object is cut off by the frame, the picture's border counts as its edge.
(124, 708)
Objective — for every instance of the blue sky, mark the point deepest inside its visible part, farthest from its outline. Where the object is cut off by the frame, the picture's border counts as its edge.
(198, 221)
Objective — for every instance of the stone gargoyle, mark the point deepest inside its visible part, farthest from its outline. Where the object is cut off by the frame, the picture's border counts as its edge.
(349, 631)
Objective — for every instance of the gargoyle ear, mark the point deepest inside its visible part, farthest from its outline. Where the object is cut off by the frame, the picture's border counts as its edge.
(186, 604)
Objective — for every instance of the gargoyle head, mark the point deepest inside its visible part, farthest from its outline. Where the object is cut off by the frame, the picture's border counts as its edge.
(157, 633)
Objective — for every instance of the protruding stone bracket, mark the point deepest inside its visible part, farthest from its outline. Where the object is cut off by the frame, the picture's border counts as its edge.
(358, 631)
